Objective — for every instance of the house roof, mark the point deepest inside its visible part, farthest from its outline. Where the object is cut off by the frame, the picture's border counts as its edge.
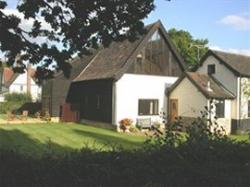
(112, 62)
(238, 64)
(7, 74)
(78, 64)
(10, 76)
(206, 84)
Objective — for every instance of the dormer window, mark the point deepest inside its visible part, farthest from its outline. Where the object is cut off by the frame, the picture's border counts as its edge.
(211, 69)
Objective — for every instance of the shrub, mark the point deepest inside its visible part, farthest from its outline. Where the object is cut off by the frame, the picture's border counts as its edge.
(133, 129)
(125, 123)
(14, 101)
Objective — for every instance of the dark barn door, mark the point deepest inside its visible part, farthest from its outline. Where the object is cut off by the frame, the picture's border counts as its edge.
(95, 99)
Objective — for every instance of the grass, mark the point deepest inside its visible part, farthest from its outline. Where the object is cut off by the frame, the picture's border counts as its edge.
(2, 116)
(37, 139)
(241, 137)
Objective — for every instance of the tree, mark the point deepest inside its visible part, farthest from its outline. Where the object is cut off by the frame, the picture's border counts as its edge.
(67, 27)
(183, 41)
(246, 87)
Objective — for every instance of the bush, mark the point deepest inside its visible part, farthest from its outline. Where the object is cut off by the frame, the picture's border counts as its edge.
(14, 101)
(125, 124)
(196, 158)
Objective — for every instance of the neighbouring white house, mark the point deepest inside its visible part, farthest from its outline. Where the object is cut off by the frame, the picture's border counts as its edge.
(128, 79)
(194, 93)
(222, 77)
(19, 83)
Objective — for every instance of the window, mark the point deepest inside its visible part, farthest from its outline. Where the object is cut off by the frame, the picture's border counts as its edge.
(211, 69)
(220, 109)
(249, 108)
(21, 88)
(148, 107)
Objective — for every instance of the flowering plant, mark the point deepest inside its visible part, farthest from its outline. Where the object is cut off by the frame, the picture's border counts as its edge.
(125, 123)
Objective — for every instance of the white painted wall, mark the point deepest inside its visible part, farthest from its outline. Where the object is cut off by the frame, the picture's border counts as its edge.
(222, 74)
(225, 76)
(130, 88)
(1, 98)
(190, 100)
(244, 99)
(227, 120)
(20, 86)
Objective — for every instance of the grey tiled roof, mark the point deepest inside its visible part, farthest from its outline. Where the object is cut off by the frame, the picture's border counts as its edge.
(239, 64)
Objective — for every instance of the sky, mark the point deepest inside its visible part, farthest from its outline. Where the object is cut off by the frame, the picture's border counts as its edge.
(225, 23)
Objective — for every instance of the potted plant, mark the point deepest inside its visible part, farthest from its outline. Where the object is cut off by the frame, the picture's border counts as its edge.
(125, 124)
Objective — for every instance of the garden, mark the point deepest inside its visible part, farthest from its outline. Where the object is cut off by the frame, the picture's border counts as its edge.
(78, 155)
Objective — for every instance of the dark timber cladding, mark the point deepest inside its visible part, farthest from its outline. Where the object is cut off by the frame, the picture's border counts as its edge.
(55, 91)
(89, 88)
(93, 99)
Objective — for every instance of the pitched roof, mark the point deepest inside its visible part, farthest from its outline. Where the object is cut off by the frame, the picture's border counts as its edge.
(112, 62)
(78, 64)
(7, 74)
(207, 85)
(10, 76)
(238, 64)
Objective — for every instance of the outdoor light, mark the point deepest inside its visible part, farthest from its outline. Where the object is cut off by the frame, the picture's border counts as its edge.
(139, 57)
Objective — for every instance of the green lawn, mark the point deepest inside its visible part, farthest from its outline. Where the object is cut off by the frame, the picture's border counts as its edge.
(242, 137)
(37, 139)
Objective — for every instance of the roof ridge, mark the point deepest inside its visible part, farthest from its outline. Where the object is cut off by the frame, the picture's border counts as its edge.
(230, 53)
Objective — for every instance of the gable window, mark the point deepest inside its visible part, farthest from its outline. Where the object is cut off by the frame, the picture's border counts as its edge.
(211, 69)
(220, 109)
(21, 88)
(249, 108)
(148, 107)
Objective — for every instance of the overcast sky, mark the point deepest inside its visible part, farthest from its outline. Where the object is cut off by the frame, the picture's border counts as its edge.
(225, 23)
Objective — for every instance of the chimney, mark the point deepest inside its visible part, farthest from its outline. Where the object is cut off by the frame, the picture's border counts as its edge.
(28, 79)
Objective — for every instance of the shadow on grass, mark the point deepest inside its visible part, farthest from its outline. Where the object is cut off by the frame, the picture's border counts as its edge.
(110, 141)
(20, 142)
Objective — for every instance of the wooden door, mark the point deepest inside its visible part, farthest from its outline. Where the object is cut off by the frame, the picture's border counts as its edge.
(173, 109)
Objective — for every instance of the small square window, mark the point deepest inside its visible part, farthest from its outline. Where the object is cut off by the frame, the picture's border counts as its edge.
(211, 69)
(220, 109)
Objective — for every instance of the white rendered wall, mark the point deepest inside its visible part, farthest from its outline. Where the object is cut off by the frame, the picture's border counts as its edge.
(244, 99)
(225, 76)
(222, 74)
(190, 100)
(20, 86)
(227, 120)
(130, 88)
(1, 98)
